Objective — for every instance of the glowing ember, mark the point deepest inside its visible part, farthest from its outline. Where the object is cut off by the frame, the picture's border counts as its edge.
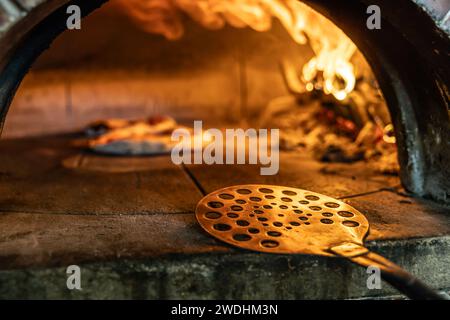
(333, 49)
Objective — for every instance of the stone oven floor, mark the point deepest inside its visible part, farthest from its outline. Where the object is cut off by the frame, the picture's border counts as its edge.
(129, 224)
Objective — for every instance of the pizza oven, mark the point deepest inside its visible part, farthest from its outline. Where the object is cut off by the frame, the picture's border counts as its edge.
(361, 105)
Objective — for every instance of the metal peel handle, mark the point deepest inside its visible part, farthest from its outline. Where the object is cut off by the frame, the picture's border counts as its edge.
(400, 279)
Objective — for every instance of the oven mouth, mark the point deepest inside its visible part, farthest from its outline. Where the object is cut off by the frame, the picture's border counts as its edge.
(89, 176)
(422, 136)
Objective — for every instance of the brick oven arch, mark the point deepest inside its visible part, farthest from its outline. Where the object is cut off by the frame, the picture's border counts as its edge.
(409, 56)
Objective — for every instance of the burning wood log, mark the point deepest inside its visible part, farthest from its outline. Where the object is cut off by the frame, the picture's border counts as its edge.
(347, 130)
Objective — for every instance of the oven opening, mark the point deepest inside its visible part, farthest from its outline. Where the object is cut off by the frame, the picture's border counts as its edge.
(127, 84)
(89, 176)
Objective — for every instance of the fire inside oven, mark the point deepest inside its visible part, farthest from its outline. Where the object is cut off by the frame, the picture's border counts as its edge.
(87, 153)
(279, 65)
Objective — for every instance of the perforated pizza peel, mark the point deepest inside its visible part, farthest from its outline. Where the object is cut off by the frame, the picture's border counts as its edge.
(286, 220)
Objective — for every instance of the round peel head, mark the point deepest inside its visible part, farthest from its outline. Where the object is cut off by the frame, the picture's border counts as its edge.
(280, 219)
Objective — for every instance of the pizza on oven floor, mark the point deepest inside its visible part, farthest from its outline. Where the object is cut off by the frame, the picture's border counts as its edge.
(133, 137)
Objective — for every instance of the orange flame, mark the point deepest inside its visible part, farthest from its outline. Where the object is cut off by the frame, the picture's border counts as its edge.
(333, 49)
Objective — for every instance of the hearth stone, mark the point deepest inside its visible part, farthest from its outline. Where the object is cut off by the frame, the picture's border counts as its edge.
(151, 246)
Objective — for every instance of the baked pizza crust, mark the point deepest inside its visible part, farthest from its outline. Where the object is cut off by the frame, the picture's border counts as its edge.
(132, 137)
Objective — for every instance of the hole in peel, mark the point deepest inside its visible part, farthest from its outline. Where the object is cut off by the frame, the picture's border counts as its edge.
(256, 199)
(265, 190)
(270, 243)
(240, 201)
(309, 214)
(332, 205)
(283, 206)
(213, 215)
(274, 203)
(243, 191)
(303, 218)
(312, 198)
(267, 206)
(307, 223)
(215, 204)
(303, 202)
(232, 215)
(288, 227)
(286, 199)
(277, 224)
(326, 221)
(236, 208)
(251, 215)
(281, 215)
(242, 223)
(222, 227)
(345, 214)
(289, 193)
(327, 214)
(294, 223)
(315, 208)
(274, 233)
(256, 207)
(298, 211)
(241, 237)
(226, 196)
(258, 211)
(295, 207)
(269, 197)
(265, 224)
(350, 223)
(262, 219)
(253, 230)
